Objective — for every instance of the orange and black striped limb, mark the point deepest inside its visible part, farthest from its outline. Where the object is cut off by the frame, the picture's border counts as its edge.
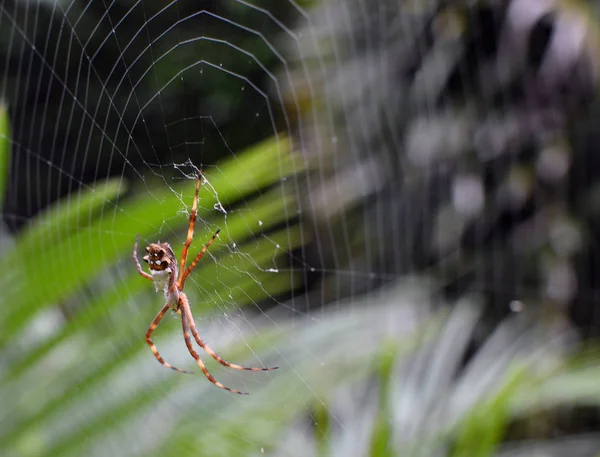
(190, 235)
(187, 272)
(188, 343)
(149, 332)
(191, 324)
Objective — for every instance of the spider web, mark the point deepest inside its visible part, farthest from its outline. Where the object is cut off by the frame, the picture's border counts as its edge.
(344, 145)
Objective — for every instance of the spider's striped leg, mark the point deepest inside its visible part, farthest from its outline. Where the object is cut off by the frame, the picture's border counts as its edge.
(151, 328)
(187, 312)
(190, 235)
(188, 343)
(187, 272)
(137, 262)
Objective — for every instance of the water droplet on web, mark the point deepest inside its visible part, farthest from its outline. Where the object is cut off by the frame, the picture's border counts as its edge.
(243, 87)
(234, 245)
(260, 223)
(516, 306)
(312, 269)
(277, 246)
(262, 450)
(334, 139)
(272, 270)
(256, 114)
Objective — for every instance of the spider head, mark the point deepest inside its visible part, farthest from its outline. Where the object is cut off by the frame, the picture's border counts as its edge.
(159, 257)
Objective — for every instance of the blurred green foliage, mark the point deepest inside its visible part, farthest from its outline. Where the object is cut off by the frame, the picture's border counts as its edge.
(381, 375)
(77, 378)
(4, 150)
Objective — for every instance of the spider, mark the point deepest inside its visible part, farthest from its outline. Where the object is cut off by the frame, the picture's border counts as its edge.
(170, 279)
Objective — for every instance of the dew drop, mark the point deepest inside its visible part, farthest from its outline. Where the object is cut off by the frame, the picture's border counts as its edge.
(516, 306)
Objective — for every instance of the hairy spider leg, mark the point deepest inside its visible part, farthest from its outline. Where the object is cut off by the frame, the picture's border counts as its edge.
(190, 235)
(137, 262)
(149, 332)
(187, 311)
(188, 343)
(187, 272)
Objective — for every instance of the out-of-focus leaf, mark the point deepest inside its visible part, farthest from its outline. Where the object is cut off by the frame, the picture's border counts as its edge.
(65, 217)
(4, 150)
(483, 429)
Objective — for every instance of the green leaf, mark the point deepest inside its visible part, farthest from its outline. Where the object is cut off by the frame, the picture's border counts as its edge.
(483, 429)
(5, 143)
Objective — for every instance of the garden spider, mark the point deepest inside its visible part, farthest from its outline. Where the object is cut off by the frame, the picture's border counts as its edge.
(170, 279)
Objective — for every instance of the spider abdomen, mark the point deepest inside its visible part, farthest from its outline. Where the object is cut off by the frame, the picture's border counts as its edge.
(162, 281)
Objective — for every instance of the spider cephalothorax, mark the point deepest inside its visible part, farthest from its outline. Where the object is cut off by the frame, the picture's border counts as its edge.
(163, 268)
(160, 257)
(167, 277)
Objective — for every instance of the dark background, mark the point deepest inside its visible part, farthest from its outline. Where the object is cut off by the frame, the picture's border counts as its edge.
(91, 90)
